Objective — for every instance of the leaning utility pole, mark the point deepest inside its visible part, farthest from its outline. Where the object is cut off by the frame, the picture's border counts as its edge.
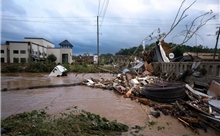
(216, 43)
(98, 38)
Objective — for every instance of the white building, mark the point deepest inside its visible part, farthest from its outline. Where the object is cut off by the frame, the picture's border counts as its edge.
(35, 49)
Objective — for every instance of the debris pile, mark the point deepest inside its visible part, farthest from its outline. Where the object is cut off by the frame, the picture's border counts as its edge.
(191, 107)
(195, 107)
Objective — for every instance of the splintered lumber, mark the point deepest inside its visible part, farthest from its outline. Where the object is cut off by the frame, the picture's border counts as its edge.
(184, 122)
(180, 107)
(165, 106)
(189, 104)
(143, 101)
(187, 124)
(152, 103)
(190, 119)
(191, 97)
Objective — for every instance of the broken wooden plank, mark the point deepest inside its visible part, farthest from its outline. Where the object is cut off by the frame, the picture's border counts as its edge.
(191, 119)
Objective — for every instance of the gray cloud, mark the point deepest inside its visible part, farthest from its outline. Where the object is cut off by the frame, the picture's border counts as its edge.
(10, 7)
(125, 24)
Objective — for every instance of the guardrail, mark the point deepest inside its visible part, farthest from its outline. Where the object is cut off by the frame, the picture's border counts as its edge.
(177, 68)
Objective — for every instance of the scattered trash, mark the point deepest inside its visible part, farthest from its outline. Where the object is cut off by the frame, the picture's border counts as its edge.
(195, 104)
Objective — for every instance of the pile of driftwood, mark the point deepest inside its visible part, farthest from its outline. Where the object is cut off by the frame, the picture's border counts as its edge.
(195, 110)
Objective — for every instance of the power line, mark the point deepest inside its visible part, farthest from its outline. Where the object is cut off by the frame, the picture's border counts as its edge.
(43, 21)
(88, 23)
(44, 16)
(98, 8)
(86, 33)
(106, 6)
(101, 8)
(23, 18)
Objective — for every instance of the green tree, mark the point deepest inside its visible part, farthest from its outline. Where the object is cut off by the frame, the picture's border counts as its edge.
(51, 58)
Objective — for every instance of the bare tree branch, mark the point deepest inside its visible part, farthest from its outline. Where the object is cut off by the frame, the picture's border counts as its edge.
(182, 16)
(177, 13)
(191, 32)
(192, 29)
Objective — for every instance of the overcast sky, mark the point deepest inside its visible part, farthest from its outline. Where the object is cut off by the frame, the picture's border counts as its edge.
(122, 23)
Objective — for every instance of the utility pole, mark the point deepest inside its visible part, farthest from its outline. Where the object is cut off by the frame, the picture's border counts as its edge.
(98, 38)
(216, 42)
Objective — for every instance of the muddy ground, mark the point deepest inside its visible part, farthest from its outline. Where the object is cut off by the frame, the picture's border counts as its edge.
(106, 103)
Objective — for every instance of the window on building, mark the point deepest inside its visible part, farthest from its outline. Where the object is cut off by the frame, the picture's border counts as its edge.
(2, 60)
(2, 51)
(23, 60)
(22, 51)
(15, 51)
(16, 60)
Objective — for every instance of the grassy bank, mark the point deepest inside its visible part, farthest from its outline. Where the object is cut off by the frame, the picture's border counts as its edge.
(76, 122)
(38, 67)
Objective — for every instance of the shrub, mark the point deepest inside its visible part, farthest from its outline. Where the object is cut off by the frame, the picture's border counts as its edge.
(67, 66)
(40, 67)
(11, 68)
(51, 58)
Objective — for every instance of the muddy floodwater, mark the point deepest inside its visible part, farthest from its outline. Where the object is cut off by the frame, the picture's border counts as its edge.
(106, 103)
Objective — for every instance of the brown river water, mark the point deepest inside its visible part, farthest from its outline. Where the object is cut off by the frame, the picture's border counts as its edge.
(106, 103)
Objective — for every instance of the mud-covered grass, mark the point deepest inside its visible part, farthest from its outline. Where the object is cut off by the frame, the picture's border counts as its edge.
(76, 123)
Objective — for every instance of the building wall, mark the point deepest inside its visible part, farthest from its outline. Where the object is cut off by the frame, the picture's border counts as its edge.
(40, 41)
(67, 51)
(34, 40)
(19, 51)
(56, 52)
(33, 50)
(4, 53)
(48, 44)
(39, 51)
